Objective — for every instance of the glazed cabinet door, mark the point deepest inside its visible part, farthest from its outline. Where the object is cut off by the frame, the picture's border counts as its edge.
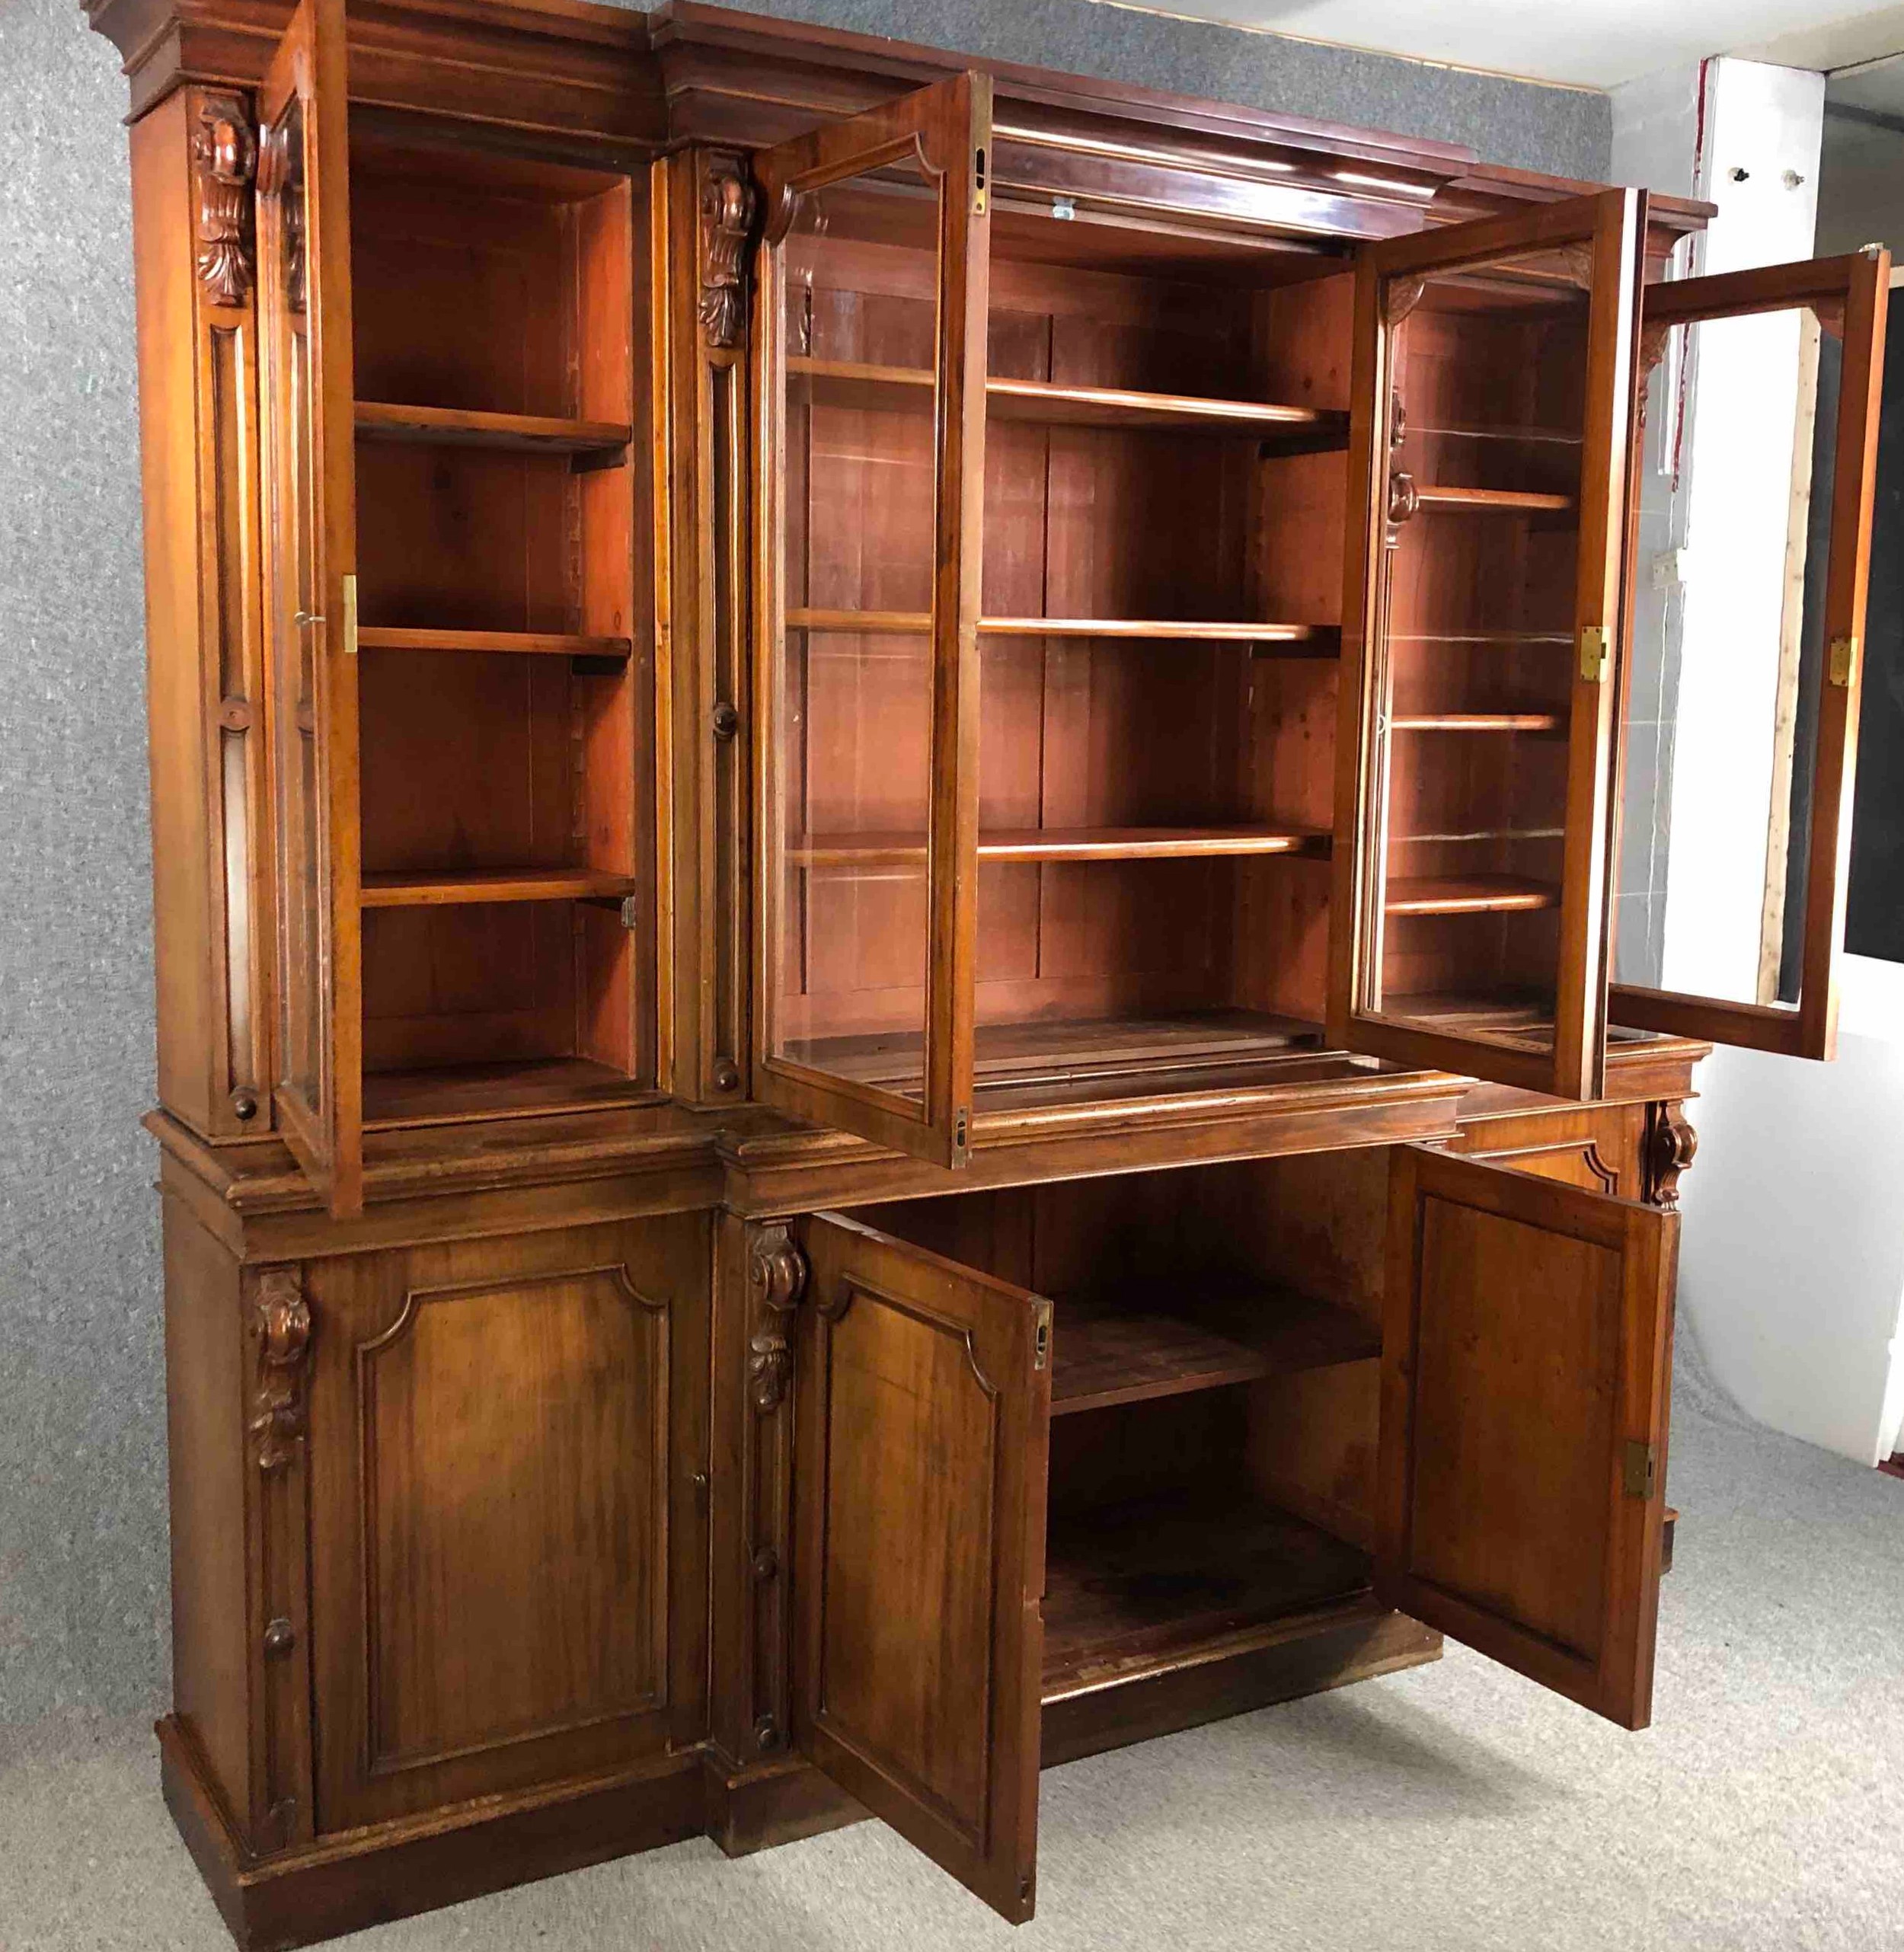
(871, 355)
(1491, 424)
(305, 379)
(923, 1394)
(1525, 1376)
(508, 1548)
(1741, 692)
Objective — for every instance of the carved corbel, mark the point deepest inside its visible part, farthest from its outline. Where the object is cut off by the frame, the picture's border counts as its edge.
(776, 1275)
(281, 1321)
(1671, 1144)
(280, 175)
(225, 155)
(728, 205)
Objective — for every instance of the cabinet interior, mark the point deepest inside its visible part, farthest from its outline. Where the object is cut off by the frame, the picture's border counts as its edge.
(1215, 1341)
(1160, 608)
(504, 674)
(1474, 650)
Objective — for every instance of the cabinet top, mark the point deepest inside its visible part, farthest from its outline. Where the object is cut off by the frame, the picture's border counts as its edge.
(612, 85)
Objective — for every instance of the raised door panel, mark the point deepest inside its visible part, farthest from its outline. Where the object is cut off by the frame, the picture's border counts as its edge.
(308, 410)
(923, 1394)
(1525, 1388)
(1762, 456)
(1491, 424)
(871, 496)
(504, 1435)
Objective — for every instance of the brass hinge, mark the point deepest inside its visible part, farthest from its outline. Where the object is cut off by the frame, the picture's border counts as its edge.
(351, 616)
(1593, 653)
(1041, 1344)
(1844, 661)
(1640, 1469)
(630, 913)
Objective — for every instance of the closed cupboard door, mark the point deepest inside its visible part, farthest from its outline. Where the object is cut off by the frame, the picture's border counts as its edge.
(311, 591)
(1741, 692)
(923, 1393)
(1526, 1360)
(871, 471)
(1492, 419)
(508, 1552)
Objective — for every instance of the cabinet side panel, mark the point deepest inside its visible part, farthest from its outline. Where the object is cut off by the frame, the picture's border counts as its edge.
(205, 1398)
(186, 911)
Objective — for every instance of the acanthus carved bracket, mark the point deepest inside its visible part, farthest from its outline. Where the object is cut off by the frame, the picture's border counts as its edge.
(1671, 1145)
(728, 205)
(281, 1321)
(225, 155)
(776, 1275)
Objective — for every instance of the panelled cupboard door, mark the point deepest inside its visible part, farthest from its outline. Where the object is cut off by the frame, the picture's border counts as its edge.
(508, 1556)
(311, 594)
(871, 341)
(1765, 397)
(1491, 426)
(1525, 1374)
(924, 1402)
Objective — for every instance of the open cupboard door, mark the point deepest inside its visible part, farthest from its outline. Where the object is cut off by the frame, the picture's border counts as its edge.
(870, 491)
(305, 371)
(1491, 425)
(1526, 1358)
(923, 1405)
(1761, 446)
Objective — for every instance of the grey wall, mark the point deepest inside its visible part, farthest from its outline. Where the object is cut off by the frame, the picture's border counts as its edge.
(82, 1448)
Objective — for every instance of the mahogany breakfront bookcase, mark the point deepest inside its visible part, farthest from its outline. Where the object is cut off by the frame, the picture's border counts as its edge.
(885, 805)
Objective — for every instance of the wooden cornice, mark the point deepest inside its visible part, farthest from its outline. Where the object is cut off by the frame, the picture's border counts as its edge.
(564, 72)
(618, 85)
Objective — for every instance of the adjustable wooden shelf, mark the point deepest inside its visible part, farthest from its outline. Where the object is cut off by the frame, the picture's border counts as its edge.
(884, 810)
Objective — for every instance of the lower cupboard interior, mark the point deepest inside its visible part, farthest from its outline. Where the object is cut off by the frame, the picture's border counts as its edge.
(1216, 1338)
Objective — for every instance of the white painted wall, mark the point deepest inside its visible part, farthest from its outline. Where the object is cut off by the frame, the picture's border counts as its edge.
(1792, 1259)
(1763, 128)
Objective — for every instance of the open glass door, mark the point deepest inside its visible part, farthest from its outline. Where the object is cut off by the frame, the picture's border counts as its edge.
(311, 592)
(1526, 1362)
(1492, 422)
(1740, 693)
(923, 1429)
(872, 477)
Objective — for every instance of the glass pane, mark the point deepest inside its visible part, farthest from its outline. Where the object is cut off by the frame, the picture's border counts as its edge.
(294, 598)
(1474, 650)
(1728, 656)
(859, 285)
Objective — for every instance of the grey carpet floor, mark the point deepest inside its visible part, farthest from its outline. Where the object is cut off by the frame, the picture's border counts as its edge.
(1453, 1806)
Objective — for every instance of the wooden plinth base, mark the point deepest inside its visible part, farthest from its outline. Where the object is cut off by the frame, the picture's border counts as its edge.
(391, 1870)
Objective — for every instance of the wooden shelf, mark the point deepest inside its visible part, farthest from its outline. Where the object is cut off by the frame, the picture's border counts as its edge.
(519, 884)
(849, 383)
(1136, 1579)
(1101, 1355)
(451, 1092)
(1467, 894)
(886, 850)
(535, 644)
(1484, 501)
(1324, 639)
(1476, 721)
(452, 426)
(1305, 640)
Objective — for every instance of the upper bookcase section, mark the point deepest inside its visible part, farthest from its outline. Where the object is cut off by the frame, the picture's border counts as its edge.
(612, 87)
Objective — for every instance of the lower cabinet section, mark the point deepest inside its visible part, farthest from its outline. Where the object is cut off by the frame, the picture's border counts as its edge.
(494, 1556)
